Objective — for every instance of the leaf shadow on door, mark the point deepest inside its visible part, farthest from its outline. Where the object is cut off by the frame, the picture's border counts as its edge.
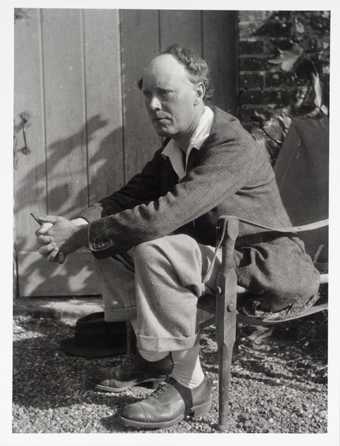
(103, 175)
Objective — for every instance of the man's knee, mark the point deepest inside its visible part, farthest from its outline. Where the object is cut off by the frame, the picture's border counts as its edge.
(163, 246)
(146, 251)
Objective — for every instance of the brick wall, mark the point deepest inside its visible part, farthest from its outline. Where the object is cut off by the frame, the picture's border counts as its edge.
(267, 87)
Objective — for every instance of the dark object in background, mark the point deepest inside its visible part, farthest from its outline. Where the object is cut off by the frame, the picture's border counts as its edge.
(302, 172)
(95, 338)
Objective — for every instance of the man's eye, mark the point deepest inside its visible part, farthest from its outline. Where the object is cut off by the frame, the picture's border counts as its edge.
(147, 94)
(161, 94)
(165, 93)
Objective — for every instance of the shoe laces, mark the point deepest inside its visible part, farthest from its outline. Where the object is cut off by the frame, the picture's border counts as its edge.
(160, 389)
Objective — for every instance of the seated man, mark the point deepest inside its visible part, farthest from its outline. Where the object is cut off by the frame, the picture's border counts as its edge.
(154, 238)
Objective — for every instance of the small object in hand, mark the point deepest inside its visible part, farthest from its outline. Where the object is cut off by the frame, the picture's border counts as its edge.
(36, 219)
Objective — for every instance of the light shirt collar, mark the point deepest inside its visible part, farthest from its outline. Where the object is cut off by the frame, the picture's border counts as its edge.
(179, 158)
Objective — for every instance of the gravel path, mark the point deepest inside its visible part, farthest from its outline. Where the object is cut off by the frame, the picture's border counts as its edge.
(279, 389)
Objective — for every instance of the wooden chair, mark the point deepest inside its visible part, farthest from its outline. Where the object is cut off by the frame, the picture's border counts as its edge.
(302, 175)
(225, 307)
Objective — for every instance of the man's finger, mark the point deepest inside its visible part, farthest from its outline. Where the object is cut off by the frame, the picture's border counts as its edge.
(43, 228)
(47, 249)
(53, 256)
(44, 239)
(56, 256)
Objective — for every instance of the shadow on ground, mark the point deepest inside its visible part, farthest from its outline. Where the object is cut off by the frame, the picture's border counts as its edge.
(53, 392)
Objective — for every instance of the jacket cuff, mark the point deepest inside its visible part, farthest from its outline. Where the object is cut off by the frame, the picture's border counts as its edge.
(100, 242)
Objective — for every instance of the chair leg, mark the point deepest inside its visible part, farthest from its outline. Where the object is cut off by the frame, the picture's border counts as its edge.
(226, 319)
(226, 343)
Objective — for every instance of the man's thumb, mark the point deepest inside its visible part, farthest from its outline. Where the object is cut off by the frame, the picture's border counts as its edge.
(48, 219)
(46, 222)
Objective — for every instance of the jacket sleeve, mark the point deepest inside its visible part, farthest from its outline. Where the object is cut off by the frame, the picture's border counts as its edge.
(142, 188)
(223, 169)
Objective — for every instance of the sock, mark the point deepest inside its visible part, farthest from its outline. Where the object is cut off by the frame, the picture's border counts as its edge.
(187, 368)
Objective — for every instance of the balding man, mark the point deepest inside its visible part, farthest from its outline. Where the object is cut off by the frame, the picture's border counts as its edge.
(154, 239)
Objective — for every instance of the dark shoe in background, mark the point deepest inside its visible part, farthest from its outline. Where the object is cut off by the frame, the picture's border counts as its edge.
(132, 372)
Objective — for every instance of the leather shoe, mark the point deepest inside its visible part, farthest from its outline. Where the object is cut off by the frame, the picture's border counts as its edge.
(134, 371)
(168, 405)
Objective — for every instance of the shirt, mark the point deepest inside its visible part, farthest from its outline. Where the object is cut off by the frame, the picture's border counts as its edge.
(201, 133)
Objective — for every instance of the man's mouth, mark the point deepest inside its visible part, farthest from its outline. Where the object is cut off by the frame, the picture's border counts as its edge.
(161, 119)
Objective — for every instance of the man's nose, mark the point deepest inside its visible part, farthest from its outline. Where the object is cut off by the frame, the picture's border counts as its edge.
(155, 103)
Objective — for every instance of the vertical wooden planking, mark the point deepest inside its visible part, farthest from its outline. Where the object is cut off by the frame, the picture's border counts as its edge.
(103, 102)
(63, 87)
(219, 49)
(139, 43)
(182, 27)
(65, 126)
(74, 72)
(29, 172)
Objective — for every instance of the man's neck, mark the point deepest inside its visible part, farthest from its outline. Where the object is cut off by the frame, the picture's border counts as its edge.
(182, 140)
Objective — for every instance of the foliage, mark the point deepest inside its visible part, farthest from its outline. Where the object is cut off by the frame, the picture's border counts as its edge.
(303, 54)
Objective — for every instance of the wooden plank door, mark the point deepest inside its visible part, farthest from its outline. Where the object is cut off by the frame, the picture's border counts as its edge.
(30, 162)
(75, 129)
(182, 27)
(78, 107)
(139, 43)
(104, 125)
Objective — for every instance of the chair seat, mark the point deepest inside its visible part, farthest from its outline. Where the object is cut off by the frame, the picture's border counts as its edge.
(206, 310)
(270, 320)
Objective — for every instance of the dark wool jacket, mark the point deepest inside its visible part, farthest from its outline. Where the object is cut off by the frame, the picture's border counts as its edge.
(230, 174)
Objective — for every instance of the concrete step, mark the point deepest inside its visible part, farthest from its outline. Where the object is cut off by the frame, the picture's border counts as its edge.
(67, 309)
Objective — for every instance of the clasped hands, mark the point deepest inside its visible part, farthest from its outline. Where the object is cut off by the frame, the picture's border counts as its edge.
(58, 237)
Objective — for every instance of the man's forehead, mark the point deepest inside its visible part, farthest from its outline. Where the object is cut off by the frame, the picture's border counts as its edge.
(165, 69)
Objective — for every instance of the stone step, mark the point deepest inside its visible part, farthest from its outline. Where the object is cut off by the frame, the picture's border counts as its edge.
(68, 309)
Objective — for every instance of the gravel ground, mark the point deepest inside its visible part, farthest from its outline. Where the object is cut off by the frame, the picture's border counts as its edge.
(278, 386)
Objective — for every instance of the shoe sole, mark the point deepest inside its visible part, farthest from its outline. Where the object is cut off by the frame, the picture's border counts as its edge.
(109, 389)
(195, 412)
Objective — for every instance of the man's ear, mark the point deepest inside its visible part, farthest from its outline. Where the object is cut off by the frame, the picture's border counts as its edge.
(200, 92)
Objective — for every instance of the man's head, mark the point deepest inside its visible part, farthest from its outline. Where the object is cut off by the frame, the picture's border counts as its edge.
(175, 86)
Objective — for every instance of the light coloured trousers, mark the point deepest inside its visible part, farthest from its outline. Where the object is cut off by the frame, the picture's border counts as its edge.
(156, 286)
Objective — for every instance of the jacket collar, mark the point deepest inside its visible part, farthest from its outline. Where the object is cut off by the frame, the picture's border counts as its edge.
(220, 131)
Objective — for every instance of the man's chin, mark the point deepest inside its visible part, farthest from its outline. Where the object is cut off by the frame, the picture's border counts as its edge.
(163, 132)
